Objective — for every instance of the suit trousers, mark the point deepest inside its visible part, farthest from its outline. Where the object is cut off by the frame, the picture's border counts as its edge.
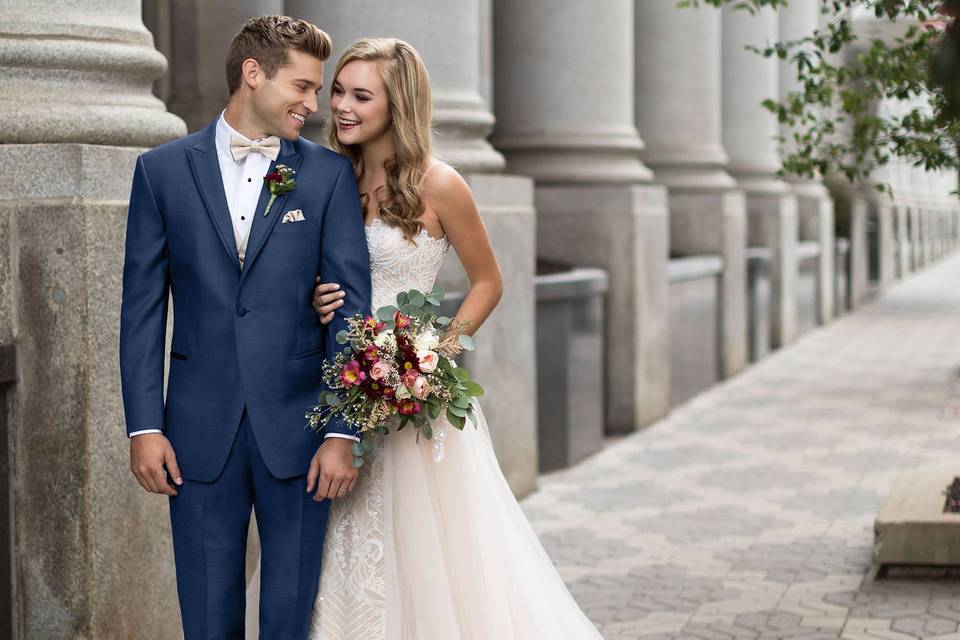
(210, 521)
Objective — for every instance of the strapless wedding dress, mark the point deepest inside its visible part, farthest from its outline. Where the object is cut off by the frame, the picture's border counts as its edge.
(425, 550)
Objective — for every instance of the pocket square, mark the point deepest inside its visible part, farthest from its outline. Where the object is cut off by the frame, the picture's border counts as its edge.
(292, 216)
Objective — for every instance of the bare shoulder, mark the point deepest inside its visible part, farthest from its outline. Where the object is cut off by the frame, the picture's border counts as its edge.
(444, 189)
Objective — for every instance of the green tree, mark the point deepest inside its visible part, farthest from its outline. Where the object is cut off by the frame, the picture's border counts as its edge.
(834, 124)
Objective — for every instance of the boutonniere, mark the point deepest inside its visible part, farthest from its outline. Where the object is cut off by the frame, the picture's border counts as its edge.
(279, 181)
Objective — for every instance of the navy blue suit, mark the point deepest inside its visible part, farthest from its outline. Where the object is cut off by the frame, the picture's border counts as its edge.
(246, 363)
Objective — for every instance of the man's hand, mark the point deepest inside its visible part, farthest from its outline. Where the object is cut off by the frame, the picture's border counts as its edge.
(327, 298)
(332, 469)
(151, 458)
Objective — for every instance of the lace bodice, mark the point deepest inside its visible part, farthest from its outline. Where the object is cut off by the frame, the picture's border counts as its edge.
(398, 265)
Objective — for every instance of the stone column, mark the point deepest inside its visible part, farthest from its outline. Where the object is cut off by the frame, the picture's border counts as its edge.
(749, 136)
(814, 206)
(678, 109)
(91, 555)
(456, 54)
(195, 36)
(595, 203)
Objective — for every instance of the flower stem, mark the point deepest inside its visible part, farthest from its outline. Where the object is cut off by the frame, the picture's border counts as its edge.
(273, 197)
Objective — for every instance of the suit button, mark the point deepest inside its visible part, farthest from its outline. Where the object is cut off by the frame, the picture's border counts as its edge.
(241, 311)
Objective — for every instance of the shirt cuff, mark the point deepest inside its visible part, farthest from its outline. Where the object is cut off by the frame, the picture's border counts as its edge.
(143, 431)
(341, 435)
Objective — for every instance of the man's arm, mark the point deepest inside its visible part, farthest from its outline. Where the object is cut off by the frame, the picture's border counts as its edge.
(143, 323)
(344, 260)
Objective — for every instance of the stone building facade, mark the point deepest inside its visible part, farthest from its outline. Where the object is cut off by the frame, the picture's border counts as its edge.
(588, 135)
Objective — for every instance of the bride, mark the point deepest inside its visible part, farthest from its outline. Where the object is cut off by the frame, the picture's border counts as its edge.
(418, 549)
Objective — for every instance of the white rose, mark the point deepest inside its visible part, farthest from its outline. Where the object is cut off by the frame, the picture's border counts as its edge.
(426, 340)
(402, 392)
(428, 360)
(386, 340)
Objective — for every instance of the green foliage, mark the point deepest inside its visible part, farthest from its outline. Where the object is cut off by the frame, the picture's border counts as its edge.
(834, 124)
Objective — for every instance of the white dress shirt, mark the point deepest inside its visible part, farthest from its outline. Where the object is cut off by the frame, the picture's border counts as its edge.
(242, 184)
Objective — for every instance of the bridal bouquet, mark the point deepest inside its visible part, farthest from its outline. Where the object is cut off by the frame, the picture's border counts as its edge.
(397, 369)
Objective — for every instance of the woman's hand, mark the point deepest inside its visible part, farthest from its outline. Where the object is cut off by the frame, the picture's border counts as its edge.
(327, 298)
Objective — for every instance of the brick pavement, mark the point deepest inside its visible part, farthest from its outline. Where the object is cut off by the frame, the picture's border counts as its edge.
(748, 513)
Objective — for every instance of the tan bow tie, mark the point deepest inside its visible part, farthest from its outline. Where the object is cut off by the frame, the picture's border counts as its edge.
(241, 147)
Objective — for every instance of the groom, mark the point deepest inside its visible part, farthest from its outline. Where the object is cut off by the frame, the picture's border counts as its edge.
(247, 353)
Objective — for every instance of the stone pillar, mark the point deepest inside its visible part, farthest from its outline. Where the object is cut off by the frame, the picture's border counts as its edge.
(749, 136)
(814, 206)
(195, 41)
(92, 555)
(595, 203)
(456, 51)
(678, 109)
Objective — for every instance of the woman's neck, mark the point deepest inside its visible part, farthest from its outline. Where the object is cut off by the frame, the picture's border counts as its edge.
(375, 155)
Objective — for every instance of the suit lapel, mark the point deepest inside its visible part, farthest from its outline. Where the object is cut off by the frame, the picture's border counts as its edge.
(263, 225)
(206, 173)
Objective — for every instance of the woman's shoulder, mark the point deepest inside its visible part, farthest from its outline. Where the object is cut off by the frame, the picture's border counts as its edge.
(442, 183)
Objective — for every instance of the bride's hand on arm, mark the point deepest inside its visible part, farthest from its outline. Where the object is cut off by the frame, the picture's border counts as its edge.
(327, 298)
(448, 194)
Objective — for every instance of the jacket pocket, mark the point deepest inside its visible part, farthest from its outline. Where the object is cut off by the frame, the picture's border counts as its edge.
(178, 356)
(308, 354)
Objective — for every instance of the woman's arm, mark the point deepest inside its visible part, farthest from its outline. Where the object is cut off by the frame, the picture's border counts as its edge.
(447, 193)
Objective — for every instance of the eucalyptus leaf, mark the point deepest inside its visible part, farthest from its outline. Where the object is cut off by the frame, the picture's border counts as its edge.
(438, 291)
(455, 420)
(357, 462)
(444, 321)
(434, 410)
(402, 298)
(462, 401)
(343, 336)
(357, 449)
(466, 342)
(457, 411)
(385, 314)
(461, 374)
(417, 299)
(473, 388)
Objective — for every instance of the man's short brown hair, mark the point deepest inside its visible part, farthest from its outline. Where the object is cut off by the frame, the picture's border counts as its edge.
(267, 39)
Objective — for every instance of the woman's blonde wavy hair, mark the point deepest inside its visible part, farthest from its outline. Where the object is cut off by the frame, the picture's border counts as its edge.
(411, 107)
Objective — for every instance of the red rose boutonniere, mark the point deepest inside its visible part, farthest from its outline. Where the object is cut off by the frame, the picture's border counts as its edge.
(279, 181)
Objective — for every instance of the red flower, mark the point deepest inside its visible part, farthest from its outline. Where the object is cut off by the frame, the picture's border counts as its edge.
(371, 354)
(401, 320)
(371, 325)
(409, 407)
(351, 374)
(374, 389)
(273, 177)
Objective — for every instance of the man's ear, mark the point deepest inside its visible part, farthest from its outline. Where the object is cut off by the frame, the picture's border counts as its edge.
(251, 73)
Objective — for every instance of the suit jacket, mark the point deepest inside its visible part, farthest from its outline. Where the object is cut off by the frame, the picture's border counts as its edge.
(241, 338)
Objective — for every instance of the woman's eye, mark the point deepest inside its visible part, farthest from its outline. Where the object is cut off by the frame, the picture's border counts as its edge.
(363, 99)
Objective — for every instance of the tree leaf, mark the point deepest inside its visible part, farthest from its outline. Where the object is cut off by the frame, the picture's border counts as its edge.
(461, 374)
(426, 430)
(456, 411)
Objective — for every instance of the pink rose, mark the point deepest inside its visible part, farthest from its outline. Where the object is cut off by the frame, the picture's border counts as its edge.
(428, 360)
(421, 388)
(409, 377)
(380, 370)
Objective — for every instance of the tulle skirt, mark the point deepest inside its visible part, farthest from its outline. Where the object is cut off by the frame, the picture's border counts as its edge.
(427, 550)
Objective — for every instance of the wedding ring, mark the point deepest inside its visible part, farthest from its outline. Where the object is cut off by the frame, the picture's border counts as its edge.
(344, 490)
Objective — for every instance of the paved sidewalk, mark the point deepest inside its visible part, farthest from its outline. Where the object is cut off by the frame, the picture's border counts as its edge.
(748, 513)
